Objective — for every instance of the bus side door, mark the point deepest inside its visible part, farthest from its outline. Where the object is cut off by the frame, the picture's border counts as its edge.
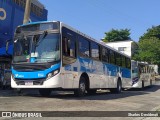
(68, 56)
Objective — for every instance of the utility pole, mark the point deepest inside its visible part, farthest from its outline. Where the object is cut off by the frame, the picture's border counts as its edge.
(27, 11)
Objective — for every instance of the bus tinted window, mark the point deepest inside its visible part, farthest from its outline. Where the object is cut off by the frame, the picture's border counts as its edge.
(112, 57)
(68, 47)
(118, 59)
(95, 51)
(128, 63)
(105, 55)
(123, 61)
(84, 47)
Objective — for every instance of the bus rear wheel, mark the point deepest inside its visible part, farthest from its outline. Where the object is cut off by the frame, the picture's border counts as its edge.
(142, 88)
(118, 89)
(45, 92)
(82, 88)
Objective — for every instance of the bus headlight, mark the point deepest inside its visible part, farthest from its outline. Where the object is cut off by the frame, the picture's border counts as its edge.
(49, 75)
(56, 72)
(53, 73)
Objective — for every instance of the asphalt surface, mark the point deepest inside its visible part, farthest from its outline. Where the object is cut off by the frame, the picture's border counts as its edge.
(128, 100)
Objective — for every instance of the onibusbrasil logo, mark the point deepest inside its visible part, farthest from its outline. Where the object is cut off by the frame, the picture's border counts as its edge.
(3, 15)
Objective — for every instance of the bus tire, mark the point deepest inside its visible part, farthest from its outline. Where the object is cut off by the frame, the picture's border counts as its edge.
(80, 92)
(118, 89)
(4, 85)
(142, 88)
(45, 92)
(18, 91)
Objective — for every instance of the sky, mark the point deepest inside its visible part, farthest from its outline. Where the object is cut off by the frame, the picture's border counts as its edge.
(95, 17)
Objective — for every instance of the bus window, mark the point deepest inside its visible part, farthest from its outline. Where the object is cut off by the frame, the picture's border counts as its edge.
(105, 55)
(118, 60)
(128, 63)
(95, 51)
(84, 47)
(64, 44)
(123, 62)
(68, 47)
(112, 57)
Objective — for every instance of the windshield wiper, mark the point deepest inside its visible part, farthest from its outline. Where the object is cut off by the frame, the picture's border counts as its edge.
(37, 40)
(45, 33)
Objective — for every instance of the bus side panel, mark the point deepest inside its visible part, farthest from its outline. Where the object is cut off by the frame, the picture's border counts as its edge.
(145, 77)
(85, 65)
(94, 70)
(126, 77)
(112, 73)
(97, 71)
(100, 75)
(70, 75)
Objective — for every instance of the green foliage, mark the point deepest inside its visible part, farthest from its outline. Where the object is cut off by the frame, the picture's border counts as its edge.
(149, 46)
(151, 33)
(117, 35)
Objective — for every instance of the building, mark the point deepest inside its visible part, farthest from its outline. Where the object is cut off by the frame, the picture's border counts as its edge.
(11, 15)
(127, 47)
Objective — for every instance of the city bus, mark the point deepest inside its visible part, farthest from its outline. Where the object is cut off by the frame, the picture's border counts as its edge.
(142, 74)
(54, 56)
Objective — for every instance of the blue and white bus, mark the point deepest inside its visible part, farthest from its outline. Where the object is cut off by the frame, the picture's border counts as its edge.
(52, 55)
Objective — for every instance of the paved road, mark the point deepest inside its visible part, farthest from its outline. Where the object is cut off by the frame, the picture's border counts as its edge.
(130, 100)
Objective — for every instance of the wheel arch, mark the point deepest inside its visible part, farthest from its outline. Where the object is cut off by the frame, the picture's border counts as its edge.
(85, 75)
(119, 78)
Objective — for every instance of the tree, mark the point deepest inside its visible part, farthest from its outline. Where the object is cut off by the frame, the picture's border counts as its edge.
(151, 33)
(149, 46)
(117, 35)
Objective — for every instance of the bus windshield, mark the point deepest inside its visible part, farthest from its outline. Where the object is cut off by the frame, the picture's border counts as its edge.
(37, 48)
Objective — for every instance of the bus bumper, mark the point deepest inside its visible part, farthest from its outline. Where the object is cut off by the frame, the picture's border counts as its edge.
(54, 82)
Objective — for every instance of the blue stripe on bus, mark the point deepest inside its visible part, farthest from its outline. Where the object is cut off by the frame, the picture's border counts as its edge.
(35, 74)
(126, 73)
(90, 66)
(33, 23)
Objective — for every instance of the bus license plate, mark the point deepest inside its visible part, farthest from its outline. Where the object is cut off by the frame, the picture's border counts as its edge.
(28, 83)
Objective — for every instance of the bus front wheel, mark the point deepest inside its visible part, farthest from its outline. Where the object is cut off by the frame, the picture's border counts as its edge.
(45, 92)
(82, 88)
